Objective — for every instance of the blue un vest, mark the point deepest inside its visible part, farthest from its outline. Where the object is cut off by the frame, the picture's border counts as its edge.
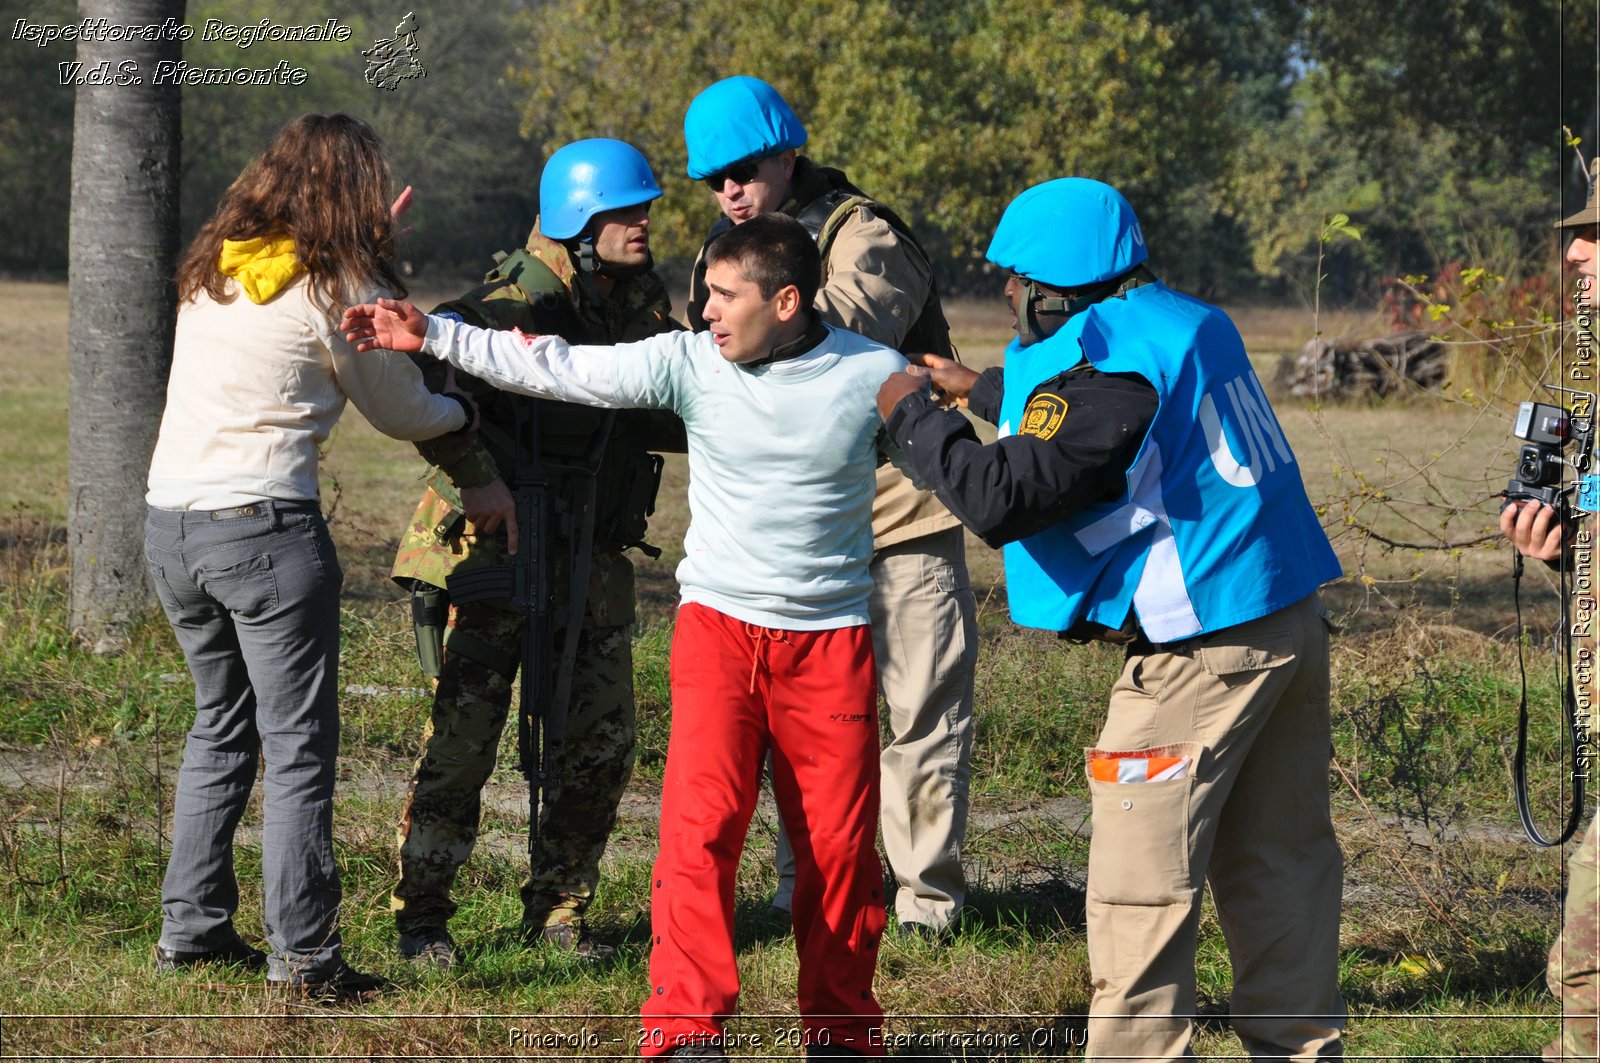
(1214, 528)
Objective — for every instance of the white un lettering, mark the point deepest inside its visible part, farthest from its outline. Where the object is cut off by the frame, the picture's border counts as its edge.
(1252, 418)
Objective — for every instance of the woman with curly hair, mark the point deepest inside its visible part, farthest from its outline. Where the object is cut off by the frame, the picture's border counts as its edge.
(237, 547)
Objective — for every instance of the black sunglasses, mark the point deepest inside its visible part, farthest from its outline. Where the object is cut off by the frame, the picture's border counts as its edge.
(741, 173)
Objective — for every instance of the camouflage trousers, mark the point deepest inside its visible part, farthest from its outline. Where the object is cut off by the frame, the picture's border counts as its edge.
(576, 814)
(1574, 974)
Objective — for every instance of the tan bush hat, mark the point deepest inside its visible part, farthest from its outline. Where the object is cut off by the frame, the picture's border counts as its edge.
(1590, 214)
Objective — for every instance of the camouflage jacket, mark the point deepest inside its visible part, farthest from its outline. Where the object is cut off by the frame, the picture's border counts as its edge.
(539, 290)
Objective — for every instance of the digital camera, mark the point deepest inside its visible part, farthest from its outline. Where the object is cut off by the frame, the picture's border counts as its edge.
(1542, 471)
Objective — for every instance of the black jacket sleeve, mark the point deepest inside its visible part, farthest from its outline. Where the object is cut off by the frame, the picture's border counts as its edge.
(984, 398)
(1022, 484)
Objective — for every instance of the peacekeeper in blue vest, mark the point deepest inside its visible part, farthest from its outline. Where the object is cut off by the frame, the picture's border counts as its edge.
(1144, 493)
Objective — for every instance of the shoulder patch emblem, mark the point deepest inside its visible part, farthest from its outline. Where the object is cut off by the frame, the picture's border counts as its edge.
(1043, 416)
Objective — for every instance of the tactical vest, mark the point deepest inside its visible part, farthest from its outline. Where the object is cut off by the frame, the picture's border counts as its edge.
(627, 475)
(525, 292)
(1214, 528)
(822, 218)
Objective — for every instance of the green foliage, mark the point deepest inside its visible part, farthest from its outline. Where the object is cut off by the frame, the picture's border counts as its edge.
(1500, 321)
(35, 150)
(1413, 745)
(448, 133)
(56, 692)
(1234, 126)
(1433, 132)
(1017, 95)
(652, 700)
(1339, 226)
(1039, 693)
(83, 845)
(452, 134)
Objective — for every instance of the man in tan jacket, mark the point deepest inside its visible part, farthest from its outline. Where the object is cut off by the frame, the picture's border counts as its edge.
(742, 139)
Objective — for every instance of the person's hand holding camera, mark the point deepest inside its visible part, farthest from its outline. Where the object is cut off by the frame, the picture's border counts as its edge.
(1535, 529)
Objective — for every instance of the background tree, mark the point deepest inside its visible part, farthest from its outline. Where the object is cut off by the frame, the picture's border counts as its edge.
(452, 134)
(945, 112)
(35, 150)
(123, 251)
(1236, 126)
(1437, 129)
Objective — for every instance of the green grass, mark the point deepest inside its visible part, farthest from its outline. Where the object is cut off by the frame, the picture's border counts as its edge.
(1448, 911)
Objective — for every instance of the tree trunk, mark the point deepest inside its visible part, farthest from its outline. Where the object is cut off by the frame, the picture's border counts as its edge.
(122, 251)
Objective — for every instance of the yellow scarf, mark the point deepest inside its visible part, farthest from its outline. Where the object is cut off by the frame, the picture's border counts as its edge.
(263, 266)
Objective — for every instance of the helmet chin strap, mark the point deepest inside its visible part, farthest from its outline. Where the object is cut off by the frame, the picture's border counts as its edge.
(590, 262)
(1035, 302)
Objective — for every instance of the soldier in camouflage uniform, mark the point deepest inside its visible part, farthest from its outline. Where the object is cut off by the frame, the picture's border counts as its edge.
(1532, 527)
(586, 275)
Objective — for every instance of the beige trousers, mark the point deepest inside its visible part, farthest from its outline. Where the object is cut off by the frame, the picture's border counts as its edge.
(925, 640)
(1249, 707)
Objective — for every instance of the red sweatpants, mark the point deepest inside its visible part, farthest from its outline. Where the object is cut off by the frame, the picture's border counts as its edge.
(811, 696)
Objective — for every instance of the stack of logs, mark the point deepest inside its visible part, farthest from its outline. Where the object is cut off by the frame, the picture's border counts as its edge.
(1346, 369)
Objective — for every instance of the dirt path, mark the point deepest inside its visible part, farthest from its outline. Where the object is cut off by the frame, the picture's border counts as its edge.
(1010, 840)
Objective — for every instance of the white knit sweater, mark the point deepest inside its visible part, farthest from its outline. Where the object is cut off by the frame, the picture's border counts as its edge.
(255, 390)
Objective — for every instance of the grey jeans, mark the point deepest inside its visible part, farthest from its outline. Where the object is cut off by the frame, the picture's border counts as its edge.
(253, 597)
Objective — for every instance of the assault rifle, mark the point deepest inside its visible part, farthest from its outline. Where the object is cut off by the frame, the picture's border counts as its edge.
(540, 511)
(531, 595)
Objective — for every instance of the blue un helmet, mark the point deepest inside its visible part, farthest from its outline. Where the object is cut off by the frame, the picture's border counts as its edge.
(738, 118)
(1068, 233)
(588, 176)
(1072, 234)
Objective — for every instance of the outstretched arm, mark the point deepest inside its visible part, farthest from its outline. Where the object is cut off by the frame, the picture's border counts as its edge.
(545, 367)
(388, 324)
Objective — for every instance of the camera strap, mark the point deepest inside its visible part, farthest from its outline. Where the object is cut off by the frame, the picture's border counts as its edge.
(1519, 765)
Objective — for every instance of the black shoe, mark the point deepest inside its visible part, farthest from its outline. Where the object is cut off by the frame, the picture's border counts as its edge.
(345, 986)
(235, 952)
(428, 947)
(573, 939)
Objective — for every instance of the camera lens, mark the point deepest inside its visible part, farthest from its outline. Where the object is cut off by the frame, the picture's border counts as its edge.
(1531, 466)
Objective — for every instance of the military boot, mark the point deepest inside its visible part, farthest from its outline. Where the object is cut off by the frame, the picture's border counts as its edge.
(428, 946)
(572, 938)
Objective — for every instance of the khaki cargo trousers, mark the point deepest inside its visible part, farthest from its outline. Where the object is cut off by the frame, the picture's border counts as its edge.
(925, 642)
(1248, 706)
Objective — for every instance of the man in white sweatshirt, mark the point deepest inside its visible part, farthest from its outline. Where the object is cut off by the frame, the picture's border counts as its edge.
(772, 648)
